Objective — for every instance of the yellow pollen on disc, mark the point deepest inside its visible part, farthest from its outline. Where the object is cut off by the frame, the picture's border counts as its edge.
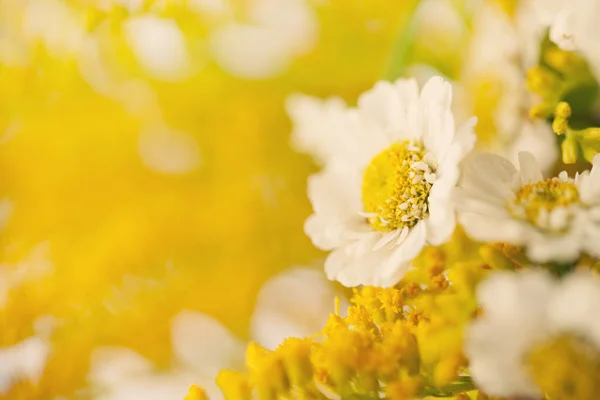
(396, 187)
(566, 368)
(535, 200)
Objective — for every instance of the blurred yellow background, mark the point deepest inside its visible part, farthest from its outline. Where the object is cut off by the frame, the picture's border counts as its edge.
(134, 184)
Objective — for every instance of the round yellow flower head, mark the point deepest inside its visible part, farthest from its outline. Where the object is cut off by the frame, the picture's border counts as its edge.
(396, 186)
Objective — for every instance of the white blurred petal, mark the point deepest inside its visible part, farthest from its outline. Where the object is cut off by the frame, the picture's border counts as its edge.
(562, 31)
(295, 20)
(202, 343)
(169, 151)
(210, 6)
(6, 207)
(151, 387)
(530, 170)
(111, 365)
(159, 46)
(295, 303)
(250, 51)
(53, 23)
(25, 360)
(277, 33)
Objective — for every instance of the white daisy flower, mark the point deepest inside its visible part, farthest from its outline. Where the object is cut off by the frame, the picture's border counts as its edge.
(527, 314)
(295, 303)
(555, 219)
(390, 167)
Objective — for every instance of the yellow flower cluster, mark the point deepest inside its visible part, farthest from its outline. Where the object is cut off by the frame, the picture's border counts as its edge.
(402, 342)
(563, 77)
(406, 342)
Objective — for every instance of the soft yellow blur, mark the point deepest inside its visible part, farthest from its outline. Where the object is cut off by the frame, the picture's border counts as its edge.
(125, 237)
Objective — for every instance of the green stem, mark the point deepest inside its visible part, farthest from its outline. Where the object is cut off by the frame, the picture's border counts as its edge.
(561, 269)
(402, 45)
(464, 384)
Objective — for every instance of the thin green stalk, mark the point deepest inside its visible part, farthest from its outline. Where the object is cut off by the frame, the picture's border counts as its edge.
(402, 45)
(464, 384)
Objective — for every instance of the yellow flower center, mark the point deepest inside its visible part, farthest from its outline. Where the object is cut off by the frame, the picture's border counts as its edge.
(396, 186)
(566, 368)
(534, 203)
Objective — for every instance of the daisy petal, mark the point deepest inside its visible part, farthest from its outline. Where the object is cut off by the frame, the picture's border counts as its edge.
(530, 170)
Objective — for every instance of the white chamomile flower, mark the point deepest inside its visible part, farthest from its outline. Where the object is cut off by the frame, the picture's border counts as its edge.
(556, 219)
(493, 87)
(536, 335)
(390, 166)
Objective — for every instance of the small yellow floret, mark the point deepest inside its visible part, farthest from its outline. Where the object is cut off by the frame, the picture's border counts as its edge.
(234, 385)
(495, 257)
(296, 360)
(404, 389)
(563, 61)
(541, 111)
(196, 393)
(542, 81)
(563, 110)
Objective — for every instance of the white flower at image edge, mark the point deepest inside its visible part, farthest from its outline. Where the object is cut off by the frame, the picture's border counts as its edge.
(574, 26)
(24, 361)
(522, 311)
(555, 219)
(159, 46)
(390, 166)
(276, 33)
(295, 303)
(27, 359)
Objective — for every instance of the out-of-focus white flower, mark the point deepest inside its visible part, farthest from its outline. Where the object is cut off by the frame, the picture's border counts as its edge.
(214, 7)
(440, 26)
(574, 26)
(169, 151)
(23, 361)
(390, 168)
(555, 219)
(294, 303)
(278, 32)
(26, 360)
(315, 122)
(53, 23)
(522, 311)
(159, 46)
(492, 86)
(201, 345)
(33, 267)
